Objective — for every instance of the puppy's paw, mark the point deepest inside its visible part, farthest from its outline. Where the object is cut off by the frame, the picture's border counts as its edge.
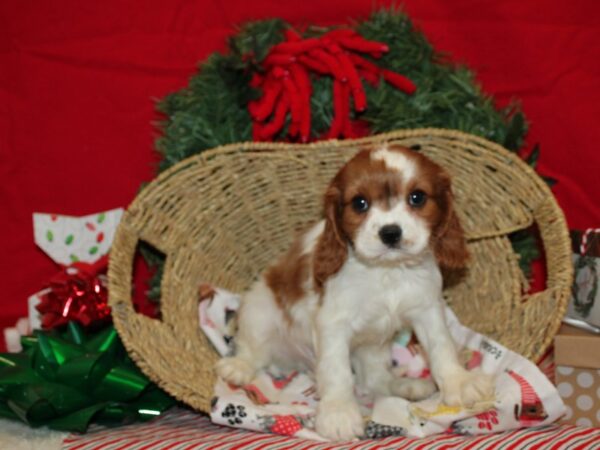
(413, 389)
(235, 370)
(339, 420)
(467, 388)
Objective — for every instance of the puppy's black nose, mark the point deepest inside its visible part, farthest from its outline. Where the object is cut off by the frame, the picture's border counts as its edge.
(390, 234)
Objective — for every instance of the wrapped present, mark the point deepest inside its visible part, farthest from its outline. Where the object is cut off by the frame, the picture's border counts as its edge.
(69, 239)
(577, 359)
(79, 245)
(67, 367)
(585, 302)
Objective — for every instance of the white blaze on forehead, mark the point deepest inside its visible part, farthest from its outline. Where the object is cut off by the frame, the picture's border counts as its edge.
(396, 161)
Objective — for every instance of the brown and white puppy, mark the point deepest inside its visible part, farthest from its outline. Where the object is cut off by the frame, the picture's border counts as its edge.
(335, 301)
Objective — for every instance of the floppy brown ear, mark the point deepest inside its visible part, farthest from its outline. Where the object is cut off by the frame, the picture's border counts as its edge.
(450, 246)
(331, 250)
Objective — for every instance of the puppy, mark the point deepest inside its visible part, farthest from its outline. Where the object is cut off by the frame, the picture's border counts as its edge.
(335, 301)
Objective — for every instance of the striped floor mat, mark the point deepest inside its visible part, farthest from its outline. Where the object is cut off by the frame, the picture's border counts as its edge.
(181, 429)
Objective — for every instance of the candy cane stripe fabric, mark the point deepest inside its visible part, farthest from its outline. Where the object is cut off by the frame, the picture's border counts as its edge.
(181, 429)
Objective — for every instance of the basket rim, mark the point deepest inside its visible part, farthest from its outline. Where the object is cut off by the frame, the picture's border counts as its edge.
(271, 147)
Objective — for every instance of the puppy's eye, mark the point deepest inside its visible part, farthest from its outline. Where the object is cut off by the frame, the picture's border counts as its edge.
(360, 204)
(417, 198)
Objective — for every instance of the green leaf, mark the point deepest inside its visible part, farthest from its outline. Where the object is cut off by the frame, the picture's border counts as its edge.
(550, 181)
(534, 156)
(515, 131)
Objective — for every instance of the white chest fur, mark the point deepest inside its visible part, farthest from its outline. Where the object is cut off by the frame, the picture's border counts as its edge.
(375, 302)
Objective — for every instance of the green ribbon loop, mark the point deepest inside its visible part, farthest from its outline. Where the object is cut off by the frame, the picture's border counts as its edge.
(67, 379)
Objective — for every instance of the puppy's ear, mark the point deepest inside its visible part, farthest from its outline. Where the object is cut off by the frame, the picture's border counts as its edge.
(450, 247)
(331, 250)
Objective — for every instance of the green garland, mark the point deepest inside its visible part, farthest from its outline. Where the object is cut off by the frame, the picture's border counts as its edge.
(212, 110)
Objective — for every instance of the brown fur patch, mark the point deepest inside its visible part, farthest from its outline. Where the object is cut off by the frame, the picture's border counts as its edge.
(331, 250)
(206, 291)
(287, 277)
(448, 239)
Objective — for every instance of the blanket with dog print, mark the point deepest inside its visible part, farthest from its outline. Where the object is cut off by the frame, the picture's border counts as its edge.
(286, 404)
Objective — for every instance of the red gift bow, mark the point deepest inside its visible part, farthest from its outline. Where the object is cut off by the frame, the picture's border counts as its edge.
(286, 86)
(78, 292)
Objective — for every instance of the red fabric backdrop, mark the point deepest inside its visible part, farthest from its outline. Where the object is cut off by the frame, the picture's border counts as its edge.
(78, 81)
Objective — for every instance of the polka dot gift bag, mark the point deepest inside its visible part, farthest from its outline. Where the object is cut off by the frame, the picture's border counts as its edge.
(577, 358)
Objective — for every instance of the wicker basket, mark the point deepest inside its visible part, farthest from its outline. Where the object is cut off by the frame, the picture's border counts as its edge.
(223, 215)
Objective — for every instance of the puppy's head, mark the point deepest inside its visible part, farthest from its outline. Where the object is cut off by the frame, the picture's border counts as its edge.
(390, 205)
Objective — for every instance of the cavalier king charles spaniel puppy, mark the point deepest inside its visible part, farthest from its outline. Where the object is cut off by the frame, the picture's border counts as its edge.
(335, 301)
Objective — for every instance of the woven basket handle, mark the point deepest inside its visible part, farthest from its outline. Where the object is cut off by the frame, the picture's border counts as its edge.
(120, 271)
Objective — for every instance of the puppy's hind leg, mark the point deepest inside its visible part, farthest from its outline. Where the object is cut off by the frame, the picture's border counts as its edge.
(412, 389)
(257, 318)
(372, 365)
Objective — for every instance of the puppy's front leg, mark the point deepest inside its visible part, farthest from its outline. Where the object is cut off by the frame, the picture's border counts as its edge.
(338, 415)
(458, 386)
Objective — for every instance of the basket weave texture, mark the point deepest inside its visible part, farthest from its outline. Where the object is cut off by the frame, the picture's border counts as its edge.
(222, 216)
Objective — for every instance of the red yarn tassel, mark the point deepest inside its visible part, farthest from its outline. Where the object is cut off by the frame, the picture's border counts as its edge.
(330, 62)
(292, 35)
(292, 93)
(362, 45)
(399, 81)
(341, 108)
(296, 47)
(313, 64)
(364, 63)
(302, 81)
(270, 129)
(262, 108)
(370, 77)
(278, 60)
(356, 87)
(257, 80)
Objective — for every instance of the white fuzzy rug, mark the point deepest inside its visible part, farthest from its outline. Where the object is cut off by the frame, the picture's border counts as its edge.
(17, 436)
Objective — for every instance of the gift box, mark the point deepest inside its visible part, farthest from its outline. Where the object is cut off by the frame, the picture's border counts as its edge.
(585, 302)
(577, 359)
(79, 247)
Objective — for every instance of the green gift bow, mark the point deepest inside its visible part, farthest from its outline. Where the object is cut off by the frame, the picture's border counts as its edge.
(66, 379)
